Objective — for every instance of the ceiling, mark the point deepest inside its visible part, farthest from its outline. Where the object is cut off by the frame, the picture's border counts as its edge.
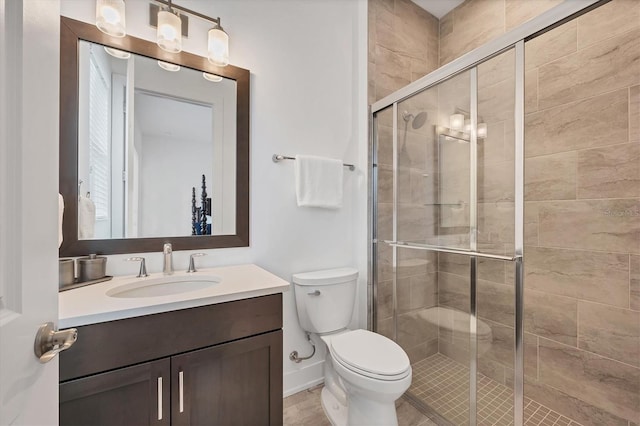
(438, 8)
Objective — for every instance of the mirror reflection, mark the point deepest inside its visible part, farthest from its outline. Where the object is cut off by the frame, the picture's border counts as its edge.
(156, 148)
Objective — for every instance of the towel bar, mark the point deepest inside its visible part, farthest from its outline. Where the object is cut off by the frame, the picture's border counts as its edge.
(279, 157)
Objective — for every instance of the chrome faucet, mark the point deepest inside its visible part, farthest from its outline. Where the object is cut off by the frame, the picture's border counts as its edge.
(143, 266)
(192, 265)
(167, 264)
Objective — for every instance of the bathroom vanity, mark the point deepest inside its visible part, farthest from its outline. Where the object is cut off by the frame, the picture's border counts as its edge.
(206, 356)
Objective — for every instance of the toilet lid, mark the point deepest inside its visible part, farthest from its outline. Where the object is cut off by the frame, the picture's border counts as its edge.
(369, 352)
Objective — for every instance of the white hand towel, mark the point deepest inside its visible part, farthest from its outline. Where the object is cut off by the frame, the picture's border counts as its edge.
(318, 182)
(60, 214)
(86, 218)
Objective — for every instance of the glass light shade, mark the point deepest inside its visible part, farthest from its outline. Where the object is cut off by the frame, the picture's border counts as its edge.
(110, 17)
(482, 130)
(211, 77)
(169, 35)
(218, 47)
(467, 126)
(168, 67)
(456, 122)
(117, 53)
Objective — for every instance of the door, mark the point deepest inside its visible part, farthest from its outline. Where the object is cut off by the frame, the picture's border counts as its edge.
(134, 396)
(29, 40)
(237, 383)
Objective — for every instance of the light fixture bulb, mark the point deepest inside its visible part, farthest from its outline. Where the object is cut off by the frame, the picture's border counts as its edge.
(168, 67)
(218, 47)
(169, 34)
(482, 130)
(110, 17)
(211, 77)
(456, 122)
(120, 54)
(467, 126)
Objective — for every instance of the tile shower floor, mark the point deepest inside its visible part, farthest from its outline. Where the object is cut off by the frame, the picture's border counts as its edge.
(443, 384)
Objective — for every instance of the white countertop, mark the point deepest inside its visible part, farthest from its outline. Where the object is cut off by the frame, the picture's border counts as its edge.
(90, 304)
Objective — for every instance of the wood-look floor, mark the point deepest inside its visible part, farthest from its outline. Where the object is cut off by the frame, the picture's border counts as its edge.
(305, 409)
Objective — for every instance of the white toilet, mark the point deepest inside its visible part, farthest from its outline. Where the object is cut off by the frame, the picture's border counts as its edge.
(364, 372)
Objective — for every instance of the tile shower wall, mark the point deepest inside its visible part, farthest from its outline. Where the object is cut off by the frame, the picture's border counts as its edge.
(403, 46)
(582, 212)
(582, 193)
(475, 22)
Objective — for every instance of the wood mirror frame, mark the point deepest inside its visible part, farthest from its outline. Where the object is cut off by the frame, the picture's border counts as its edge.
(71, 33)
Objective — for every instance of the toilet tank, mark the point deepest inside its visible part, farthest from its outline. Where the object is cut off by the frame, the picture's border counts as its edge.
(325, 299)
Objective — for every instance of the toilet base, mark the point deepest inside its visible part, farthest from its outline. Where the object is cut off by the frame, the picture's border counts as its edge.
(336, 412)
(366, 412)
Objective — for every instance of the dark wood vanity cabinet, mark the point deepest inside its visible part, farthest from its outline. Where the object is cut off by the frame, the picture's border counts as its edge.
(155, 370)
(129, 396)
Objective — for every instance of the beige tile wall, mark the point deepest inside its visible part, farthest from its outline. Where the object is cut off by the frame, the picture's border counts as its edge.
(403, 45)
(476, 22)
(583, 180)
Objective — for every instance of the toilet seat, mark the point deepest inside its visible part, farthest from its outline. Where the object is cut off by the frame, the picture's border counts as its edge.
(371, 355)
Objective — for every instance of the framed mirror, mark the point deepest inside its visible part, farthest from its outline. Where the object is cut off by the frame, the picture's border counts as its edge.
(154, 146)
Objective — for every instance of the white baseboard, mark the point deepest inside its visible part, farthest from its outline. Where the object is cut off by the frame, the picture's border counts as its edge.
(304, 378)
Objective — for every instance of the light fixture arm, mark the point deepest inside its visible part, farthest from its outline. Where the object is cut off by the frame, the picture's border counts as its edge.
(171, 5)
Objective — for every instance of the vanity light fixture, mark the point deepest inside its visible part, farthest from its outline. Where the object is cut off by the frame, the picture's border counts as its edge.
(169, 34)
(211, 77)
(110, 17)
(117, 53)
(459, 123)
(168, 67)
(172, 27)
(218, 46)
(482, 131)
(456, 122)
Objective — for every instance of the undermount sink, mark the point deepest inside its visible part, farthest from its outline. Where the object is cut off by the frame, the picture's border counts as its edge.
(163, 286)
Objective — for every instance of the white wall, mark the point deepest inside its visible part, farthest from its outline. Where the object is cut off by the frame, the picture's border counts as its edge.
(165, 197)
(308, 96)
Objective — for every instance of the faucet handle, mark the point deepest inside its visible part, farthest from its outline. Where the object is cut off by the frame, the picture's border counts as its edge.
(143, 266)
(192, 266)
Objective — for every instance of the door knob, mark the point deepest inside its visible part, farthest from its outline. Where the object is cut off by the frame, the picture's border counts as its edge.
(50, 343)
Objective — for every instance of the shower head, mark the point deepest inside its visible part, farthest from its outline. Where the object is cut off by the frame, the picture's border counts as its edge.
(418, 120)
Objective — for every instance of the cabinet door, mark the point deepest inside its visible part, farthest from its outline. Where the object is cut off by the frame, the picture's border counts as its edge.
(137, 395)
(237, 383)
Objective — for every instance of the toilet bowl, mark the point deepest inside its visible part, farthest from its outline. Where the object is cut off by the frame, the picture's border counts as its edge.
(364, 372)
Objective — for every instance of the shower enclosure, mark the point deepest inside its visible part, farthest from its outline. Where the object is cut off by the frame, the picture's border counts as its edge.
(448, 234)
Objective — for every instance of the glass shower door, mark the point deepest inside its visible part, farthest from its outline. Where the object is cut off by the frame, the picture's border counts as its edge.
(446, 242)
(433, 209)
